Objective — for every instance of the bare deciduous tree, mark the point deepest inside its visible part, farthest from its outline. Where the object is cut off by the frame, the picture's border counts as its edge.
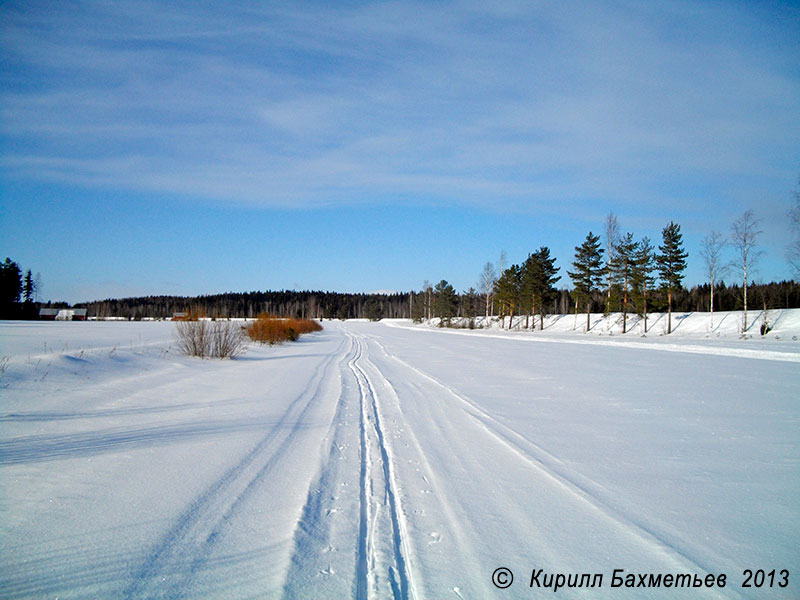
(793, 252)
(744, 236)
(611, 234)
(711, 250)
(486, 283)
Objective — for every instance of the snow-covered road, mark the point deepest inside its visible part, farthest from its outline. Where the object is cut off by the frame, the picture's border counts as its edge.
(376, 461)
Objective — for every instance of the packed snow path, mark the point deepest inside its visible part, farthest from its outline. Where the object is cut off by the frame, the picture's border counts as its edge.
(370, 461)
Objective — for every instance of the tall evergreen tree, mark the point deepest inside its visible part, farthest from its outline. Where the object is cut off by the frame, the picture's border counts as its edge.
(588, 273)
(10, 288)
(28, 288)
(445, 301)
(509, 292)
(671, 264)
(642, 279)
(622, 266)
(538, 280)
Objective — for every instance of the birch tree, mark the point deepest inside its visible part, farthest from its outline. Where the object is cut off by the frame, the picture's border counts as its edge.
(711, 249)
(793, 252)
(744, 237)
(486, 281)
(611, 233)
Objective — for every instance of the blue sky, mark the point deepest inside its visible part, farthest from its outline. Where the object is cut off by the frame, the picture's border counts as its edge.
(202, 147)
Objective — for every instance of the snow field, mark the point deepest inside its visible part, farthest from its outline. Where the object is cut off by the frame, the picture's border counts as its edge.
(391, 461)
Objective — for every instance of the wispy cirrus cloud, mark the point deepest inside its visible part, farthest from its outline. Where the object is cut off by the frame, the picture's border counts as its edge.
(308, 104)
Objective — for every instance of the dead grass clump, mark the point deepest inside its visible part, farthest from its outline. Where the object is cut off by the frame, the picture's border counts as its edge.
(275, 330)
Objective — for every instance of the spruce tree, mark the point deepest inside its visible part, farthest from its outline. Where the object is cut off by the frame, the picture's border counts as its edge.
(622, 265)
(671, 264)
(588, 273)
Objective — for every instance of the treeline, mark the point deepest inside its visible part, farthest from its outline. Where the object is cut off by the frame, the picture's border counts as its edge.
(425, 303)
(298, 304)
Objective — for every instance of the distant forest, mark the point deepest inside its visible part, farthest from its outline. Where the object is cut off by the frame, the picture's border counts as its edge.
(420, 304)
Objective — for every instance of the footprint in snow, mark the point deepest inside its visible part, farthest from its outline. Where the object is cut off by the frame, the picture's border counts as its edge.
(330, 511)
(436, 538)
(328, 571)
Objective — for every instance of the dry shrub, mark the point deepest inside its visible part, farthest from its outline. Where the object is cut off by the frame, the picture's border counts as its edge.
(210, 339)
(275, 330)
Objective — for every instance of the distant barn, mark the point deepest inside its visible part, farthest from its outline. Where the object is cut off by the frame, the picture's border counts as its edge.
(48, 314)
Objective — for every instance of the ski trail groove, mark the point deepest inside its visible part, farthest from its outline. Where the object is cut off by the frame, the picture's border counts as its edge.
(398, 571)
(195, 532)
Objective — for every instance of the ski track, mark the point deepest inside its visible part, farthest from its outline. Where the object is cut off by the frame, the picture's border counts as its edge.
(398, 573)
(456, 528)
(380, 554)
(195, 533)
(577, 485)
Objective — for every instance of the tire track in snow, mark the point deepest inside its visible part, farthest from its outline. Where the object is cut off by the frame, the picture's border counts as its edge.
(165, 573)
(578, 485)
(369, 518)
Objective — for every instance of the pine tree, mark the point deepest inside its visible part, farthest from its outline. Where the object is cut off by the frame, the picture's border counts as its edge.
(622, 265)
(671, 264)
(509, 291)
(538, 279)
(445, 301)
(642, 279)
(588, 272)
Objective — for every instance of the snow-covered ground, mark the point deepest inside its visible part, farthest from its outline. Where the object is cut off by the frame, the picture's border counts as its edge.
(392, 460)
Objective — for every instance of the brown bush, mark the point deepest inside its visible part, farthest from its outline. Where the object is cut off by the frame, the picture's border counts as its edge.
(271, 330)
(209, 339)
